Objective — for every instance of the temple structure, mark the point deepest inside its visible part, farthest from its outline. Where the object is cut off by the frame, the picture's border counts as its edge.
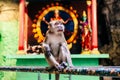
(92, 22)
(31, 32)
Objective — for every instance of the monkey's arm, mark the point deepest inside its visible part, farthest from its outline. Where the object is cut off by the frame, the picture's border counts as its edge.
(51, 59)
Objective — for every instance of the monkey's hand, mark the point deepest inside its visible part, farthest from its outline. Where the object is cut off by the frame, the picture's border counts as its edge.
(62, 66)
(59, 68)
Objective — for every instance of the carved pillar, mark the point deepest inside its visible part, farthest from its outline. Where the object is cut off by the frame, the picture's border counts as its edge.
(94, 28)
(26, 27)
(21, 26)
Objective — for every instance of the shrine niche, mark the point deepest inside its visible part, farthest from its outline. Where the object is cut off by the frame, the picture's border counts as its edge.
(68, 11)
(71, 26)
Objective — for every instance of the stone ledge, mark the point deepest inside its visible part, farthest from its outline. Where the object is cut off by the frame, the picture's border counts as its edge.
(30, 56)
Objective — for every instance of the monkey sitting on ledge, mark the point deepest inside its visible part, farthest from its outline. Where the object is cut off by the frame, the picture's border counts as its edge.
(55, 47)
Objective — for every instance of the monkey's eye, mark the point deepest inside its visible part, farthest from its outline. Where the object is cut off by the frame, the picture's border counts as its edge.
(60, 23)
(56, 23)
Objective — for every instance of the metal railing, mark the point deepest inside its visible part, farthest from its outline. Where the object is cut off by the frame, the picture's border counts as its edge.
(112, 71)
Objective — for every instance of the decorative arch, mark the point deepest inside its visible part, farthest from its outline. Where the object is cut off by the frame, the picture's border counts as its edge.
(37, 21)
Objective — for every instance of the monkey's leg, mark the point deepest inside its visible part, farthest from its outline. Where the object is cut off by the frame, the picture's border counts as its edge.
(62, 55)
(57, 76)
(66, 53)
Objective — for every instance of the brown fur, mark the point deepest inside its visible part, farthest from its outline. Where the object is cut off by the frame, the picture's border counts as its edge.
(55, 45)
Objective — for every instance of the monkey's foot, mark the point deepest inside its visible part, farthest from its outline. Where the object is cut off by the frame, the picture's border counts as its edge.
(71, 66)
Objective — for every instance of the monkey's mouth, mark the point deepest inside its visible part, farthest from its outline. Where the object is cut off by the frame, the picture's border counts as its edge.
(60, 30)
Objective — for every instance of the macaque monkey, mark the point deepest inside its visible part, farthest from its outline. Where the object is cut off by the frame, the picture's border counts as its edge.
(55, 47)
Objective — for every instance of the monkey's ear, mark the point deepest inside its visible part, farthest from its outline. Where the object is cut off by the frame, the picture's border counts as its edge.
(49, 25)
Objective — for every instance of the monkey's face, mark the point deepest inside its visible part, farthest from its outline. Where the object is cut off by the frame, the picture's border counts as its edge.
(56, 26)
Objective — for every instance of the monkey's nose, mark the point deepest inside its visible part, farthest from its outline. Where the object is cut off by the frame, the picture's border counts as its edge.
(62, 27)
